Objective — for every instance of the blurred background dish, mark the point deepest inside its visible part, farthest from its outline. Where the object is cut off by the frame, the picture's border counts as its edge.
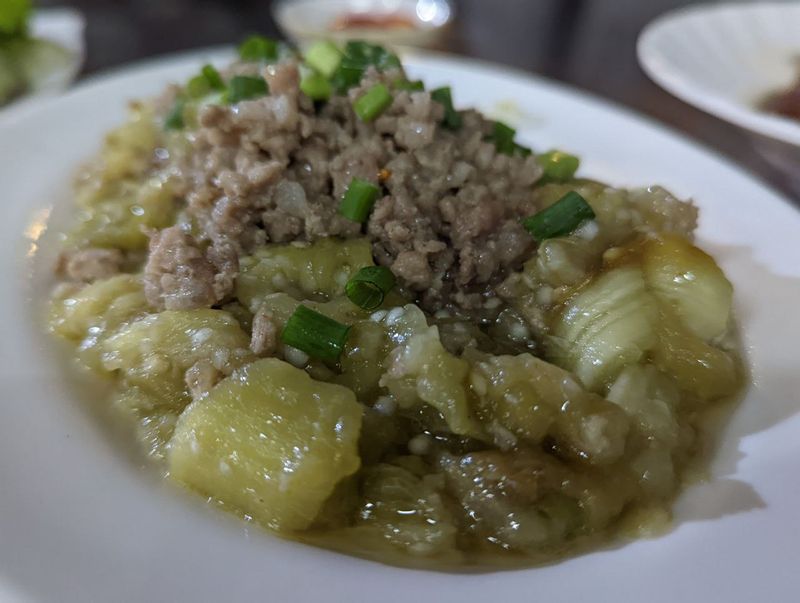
(42, 56)
(398, 22)
(739, 62)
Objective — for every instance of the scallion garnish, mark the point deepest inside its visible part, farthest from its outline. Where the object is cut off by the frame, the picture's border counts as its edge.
(452, 118)
(315, 334)
(258, 48)
(503, 136)
(369, 286)
(358, 200)
(371, 54)
(174, 119)
(558, 166)
(348, 74)
(198, 87)
(245, 87)
(203, 84)
(358, 56)
(324, 57)
(213, 77)
(560, 219)
(315, 86)
(410, 85)
(523, 150)
(373, 102)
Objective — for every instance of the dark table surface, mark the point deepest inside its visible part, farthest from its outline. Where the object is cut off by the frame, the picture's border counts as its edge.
(588, 44)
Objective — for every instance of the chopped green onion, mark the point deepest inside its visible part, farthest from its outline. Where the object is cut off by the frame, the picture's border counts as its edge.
(558, 166)
(371, 54)
(315, 86)
(258, 48)
(452, 118)
(348, 74)
(561, 218)
(14, 15)
(373, 102)
(213, 77)
(503, 136)
(523, 150)
(208, 80)
(369, 286)
(358, 200)
(358, 56)
(174, 119)
(244, 87)
(315, 334)
(198, 87)
(324, 57)
(410, 85)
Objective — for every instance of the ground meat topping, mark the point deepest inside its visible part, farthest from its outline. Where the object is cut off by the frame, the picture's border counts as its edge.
(88, 265)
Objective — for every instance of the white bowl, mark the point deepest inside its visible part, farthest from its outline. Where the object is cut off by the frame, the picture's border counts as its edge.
(725, 58)
(306, 20)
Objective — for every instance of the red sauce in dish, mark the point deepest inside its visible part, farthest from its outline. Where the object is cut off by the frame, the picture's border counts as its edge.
(372, 21)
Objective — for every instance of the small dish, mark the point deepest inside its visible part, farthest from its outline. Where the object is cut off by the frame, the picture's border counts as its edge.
(397, 22)
(62, 30)
(726, 58)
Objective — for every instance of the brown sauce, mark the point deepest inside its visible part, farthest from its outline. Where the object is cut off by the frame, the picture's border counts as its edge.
(786, 103)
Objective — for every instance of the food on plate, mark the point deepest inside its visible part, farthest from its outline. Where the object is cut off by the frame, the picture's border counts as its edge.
(785, 102)
(25, 61)
(346, 309)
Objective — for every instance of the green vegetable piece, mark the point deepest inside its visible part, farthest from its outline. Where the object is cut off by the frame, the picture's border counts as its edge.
(324, 57)
(359, 55)
(523, 150)
(269, 442)
(316, 87)
(367, 54)
(174, 119)
(410, 85)
(369, 286)
(560, 219)
(373, 102)
(358, 200)
(258, 48)
(245, 87)
(558, 166)
(315, 334)
(348, 74)
(213, 77)
(203, 84)
(452, 118)
(14, 16)
(503, 136)
(198, 87)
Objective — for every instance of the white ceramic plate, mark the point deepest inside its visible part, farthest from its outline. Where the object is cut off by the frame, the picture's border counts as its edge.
(726, 58)
(82, 520)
